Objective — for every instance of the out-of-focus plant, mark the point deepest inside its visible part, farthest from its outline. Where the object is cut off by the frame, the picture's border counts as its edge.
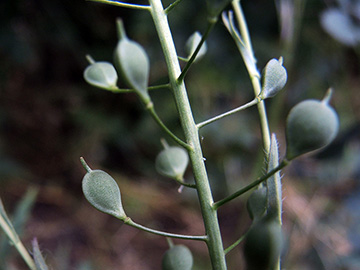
(311, 125)
(33, 260)
(343, 22)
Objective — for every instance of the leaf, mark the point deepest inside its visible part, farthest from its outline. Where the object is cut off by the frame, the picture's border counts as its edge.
(247, 56)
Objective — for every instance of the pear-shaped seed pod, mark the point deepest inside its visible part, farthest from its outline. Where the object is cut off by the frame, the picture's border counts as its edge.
(101, 74)
(257, 203)
(172, 162)
(311, 124)
(192, 43)
(274, 78)
(133, 62)
(178, 257)
(263, 244)
(103, 193)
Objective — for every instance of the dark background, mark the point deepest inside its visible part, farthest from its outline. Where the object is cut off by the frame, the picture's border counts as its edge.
(49, 117)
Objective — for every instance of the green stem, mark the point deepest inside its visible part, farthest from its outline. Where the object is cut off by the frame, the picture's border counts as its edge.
(122, 4)
(235, 244)
(181, 182)
(214, 241)
(220, 116)
(210, 26)
(171, 6)
(117, 90)
(151, 109)
(85, 165)
(255, 80)
(282, 165)
(130, 222)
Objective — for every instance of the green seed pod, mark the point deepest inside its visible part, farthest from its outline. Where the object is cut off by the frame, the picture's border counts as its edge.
(178, 257)
(172, 162)
(192, 43)
(101, 74)
(274, 78)
(257, 203)
(133, 62)
(103, 193)
(311, 125)
(263, 245)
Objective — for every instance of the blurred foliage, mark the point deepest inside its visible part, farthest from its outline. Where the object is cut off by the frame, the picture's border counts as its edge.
(50, 117)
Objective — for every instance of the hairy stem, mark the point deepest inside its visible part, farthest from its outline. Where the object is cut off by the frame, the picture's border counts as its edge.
(255, 80)
(214, 241)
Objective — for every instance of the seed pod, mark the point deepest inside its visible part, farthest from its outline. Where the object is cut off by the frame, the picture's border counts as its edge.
(192, 43)
(178, 257)
(172, 162)
(263, 244)
(257, 203)
(133, 62)
(103, 193)
(311, 124)
(101, 74)
(274, 78)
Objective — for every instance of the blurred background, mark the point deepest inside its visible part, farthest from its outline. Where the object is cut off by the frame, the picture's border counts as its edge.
(49, 117)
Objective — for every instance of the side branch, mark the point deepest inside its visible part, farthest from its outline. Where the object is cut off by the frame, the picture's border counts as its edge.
(240, 108)
(151, 109)
(210, 26)
(130, 222)
(122, 4)
(282, 165)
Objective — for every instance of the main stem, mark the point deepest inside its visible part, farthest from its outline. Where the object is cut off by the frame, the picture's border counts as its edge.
(214, 241)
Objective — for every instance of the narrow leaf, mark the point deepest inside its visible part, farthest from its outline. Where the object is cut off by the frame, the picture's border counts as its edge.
(274, 182)
(38, 258)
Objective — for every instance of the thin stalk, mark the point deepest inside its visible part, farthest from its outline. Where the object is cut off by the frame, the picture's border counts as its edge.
(181, 182)
(220, 116)
(17, 243)
(282, 165)
(214, 241)
(255, 80)
(171, 6)
(130, 222)
(128, 90)
(151, 109)
(210, 26)
(122, 4)
(235, 244)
